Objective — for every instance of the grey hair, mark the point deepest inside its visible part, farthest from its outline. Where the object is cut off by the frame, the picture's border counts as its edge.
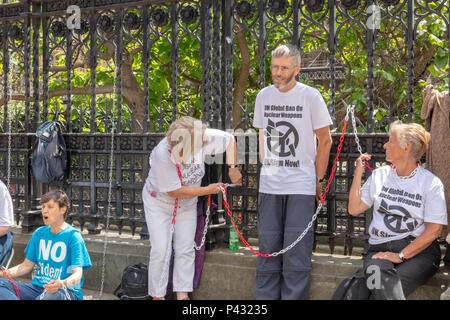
(287, 50)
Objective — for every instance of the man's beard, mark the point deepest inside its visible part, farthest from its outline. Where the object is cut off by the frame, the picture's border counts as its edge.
(286, 83)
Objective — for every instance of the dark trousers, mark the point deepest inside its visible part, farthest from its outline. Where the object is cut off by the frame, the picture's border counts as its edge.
(398, 281)
(281, 220)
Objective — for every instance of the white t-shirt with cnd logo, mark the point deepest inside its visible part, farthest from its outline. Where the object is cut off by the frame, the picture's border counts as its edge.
(401, 207)
(289, 120)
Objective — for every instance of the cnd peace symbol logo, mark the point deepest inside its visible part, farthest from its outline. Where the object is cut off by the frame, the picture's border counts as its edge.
(395, 222)
(282, 138)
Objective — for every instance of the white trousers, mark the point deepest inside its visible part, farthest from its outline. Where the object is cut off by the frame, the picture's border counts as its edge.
(158, 216)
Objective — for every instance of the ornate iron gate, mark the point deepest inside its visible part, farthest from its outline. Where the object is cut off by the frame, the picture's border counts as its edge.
(138, 73)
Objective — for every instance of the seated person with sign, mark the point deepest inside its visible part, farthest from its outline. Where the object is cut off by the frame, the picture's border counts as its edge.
(60, 253)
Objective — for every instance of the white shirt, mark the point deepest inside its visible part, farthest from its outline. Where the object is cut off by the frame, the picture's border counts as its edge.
(163, 175)
(289, 120)
(6, 207)
(401, 207)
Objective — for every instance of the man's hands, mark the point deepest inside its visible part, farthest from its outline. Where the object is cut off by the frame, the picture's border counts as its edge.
(318, 191)
(235, 176)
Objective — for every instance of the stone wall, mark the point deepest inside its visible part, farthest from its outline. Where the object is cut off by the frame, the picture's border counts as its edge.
(227, 275)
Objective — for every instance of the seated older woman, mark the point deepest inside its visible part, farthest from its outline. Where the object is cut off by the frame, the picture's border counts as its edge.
(408, 214)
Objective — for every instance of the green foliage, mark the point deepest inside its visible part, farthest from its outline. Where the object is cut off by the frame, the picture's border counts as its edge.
(390, 70)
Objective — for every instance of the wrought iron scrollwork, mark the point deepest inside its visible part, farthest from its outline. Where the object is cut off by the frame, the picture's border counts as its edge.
(314, 5)
(84, 27)
(278, 7)
(245, 9)
(58, 29)
(160, 18)
(132, 21)
(106, 23)
(189, 14)
(16, 33)
(350, 4)
(390, 2)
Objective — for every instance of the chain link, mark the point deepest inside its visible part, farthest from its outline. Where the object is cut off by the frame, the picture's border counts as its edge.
(293, 244)
(205, 229)
(8, 174)
(208, 212)
(111, 156)
(64, 289)
(350, 110)
(412, 174)
(355, 131)
(282, 251)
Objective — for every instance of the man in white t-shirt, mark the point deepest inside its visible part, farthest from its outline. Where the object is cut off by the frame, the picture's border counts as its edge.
(292, 118)
(6, 222)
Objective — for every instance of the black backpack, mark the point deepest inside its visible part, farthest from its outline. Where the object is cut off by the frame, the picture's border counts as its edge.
(49, 159)
(353, 288)
(134, 284)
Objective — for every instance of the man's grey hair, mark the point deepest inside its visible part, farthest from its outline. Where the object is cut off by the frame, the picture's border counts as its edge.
(287, 50)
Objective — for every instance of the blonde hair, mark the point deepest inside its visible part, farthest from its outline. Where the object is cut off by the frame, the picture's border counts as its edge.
(414, 134)
(183, 137)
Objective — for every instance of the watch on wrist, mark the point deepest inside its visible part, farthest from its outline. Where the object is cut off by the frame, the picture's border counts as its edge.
(401, 256)
(318, 179)
(232, 166)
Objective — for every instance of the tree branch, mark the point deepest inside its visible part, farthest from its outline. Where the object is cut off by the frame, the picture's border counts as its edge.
(62, 92)
(57, 69)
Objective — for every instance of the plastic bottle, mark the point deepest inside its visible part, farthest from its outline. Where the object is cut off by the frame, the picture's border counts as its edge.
(234, 238)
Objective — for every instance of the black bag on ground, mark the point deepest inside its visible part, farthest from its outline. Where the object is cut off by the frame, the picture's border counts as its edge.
(353, 288)
(49, 159)
(134, 284)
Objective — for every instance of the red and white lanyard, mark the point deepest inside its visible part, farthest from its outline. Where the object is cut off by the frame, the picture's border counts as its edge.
(176, 199)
